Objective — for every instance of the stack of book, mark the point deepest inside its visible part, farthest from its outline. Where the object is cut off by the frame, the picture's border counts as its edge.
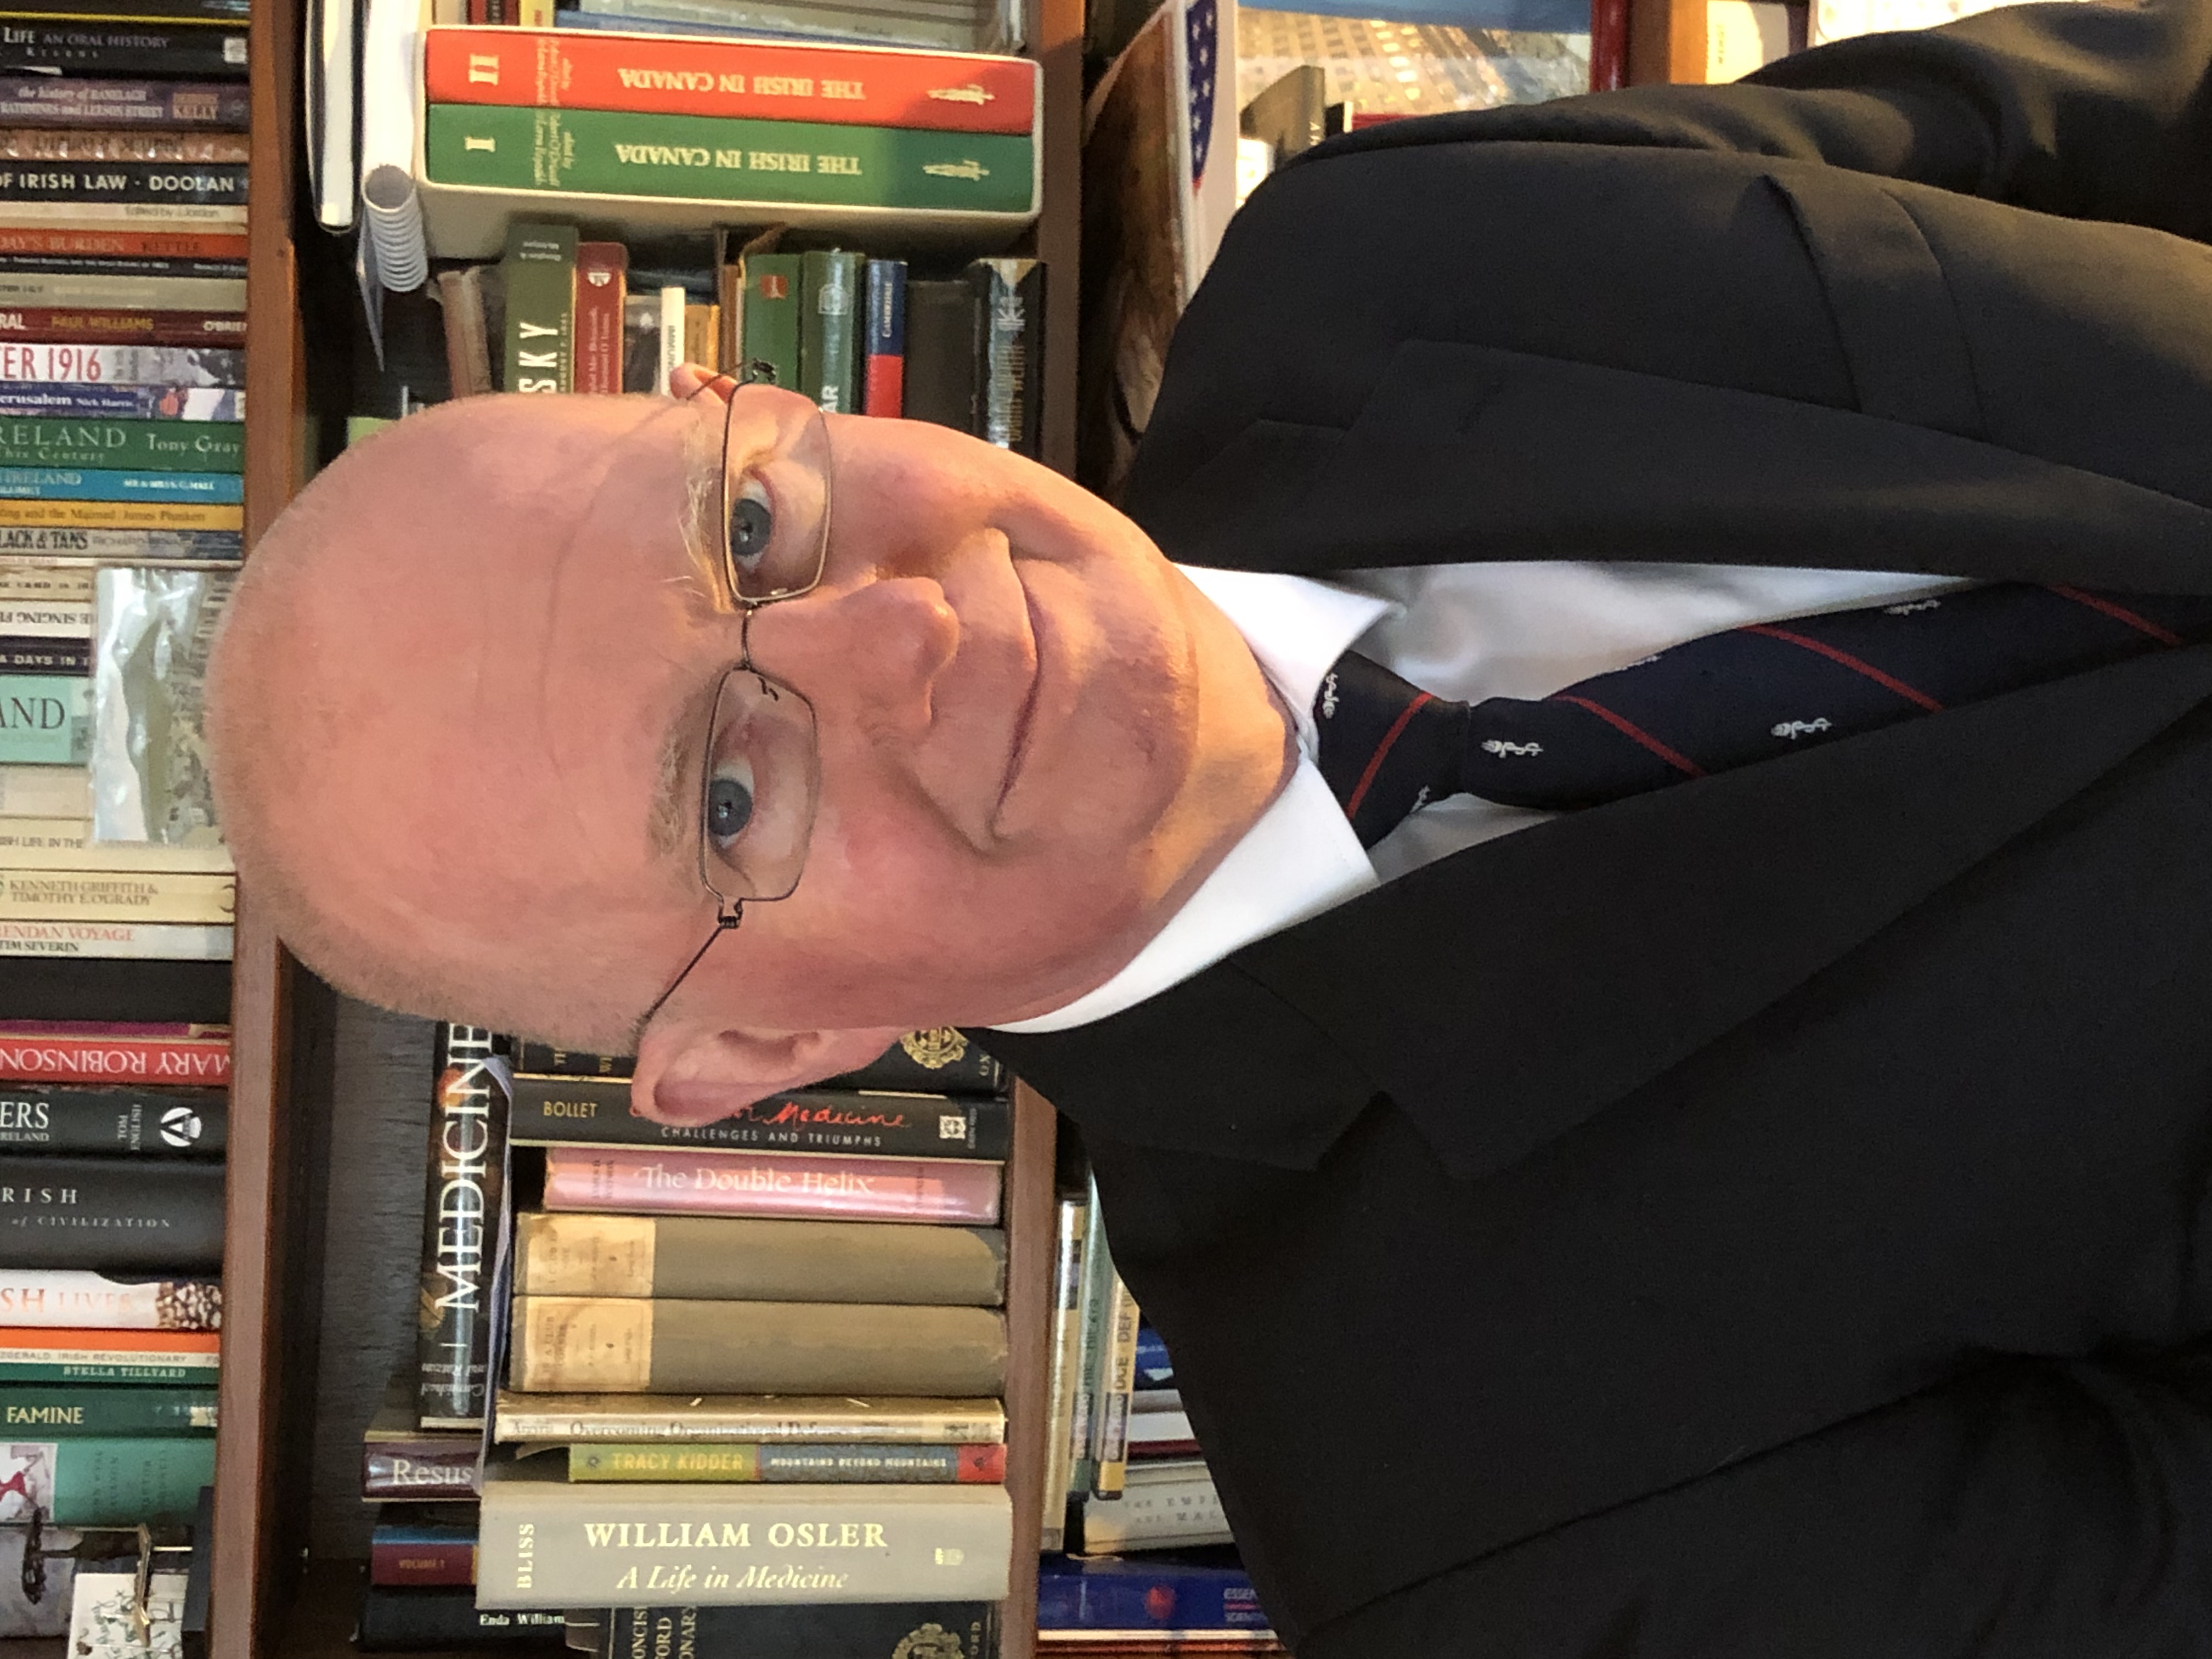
(110, 1237)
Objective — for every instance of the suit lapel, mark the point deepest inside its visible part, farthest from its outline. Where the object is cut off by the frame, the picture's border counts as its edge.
(1504, 995)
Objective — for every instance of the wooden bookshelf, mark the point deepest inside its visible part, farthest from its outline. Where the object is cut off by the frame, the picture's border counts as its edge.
(272, 1599)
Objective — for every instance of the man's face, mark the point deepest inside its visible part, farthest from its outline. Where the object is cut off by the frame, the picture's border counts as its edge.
(487, 731)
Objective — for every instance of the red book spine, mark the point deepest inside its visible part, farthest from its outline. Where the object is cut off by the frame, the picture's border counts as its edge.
(87, 1059)
(446, 1562)
(183, 328)
(123, 244)
(981, 1466)
(656, 1183)
(693, 75)
(601, 286)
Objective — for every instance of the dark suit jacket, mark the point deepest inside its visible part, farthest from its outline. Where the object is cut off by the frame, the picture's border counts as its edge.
(1765, 1217)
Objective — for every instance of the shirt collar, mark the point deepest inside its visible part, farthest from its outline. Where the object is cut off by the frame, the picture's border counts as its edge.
(1301, 857)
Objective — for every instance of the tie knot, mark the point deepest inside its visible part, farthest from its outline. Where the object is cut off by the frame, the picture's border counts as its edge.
(1386, 748)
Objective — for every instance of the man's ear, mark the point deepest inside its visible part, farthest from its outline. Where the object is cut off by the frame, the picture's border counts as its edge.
(690, 1073)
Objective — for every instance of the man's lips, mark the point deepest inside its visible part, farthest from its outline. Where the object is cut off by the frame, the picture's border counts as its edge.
(1017, 742)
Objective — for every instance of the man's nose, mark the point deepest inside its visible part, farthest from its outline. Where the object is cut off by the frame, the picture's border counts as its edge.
(868, 657)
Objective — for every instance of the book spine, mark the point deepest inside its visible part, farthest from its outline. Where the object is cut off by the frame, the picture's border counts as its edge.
(40, 832)
(1117, 1375)
(939, 1061)
(83, 483)
(608, 1344)
(726, 1258)
(757, 79)
(601, 289)
(540, 277)
(1188, 1513)
(42, 400)
(614, 1418)
(123, 1215)
(42, 144)
(700, 158)
(167, 516)
(44, 720)
(468, 337)
(771, 326)
(75, 985)
(1090, 1318)
(31, 618)
(69, 101)
(219, 13)
(45, 656)
(124, 181)
(830, 295)
(419, 1470)
(29, 1411)
(767, 1184)
(468, 1150)
(1146, 1596)
(174, 218)
(58, 325)
(549, 1111)
(884, 383)
(44, 791)
(76, 1298)
(943, 352)
(115, 895)
(178, 446)
(648, 1546)
(80, 362)
(670, 358)
(120, 242)
(407, 1555)
(29, 1354)
(1011, 295)
(93, 1059)
(122, 291)
(429, 1620)
(95, 1482)
(123, 50)
(984, 1465)
(111, 264)
(703, 330)
(927, 1630)
(1070, 1216)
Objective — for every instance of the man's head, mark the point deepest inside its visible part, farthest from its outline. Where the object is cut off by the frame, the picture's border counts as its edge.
(460, 701)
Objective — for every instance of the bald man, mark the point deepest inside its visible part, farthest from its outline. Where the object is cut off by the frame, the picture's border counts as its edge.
(1718, 1166)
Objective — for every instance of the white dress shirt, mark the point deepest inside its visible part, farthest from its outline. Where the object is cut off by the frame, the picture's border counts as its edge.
(1465, 631)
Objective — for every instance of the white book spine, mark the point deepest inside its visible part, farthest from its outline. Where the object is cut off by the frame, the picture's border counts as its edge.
(141, 941)
(46, 791)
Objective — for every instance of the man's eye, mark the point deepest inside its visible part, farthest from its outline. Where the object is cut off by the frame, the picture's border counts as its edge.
(729, 803)
(752, 522)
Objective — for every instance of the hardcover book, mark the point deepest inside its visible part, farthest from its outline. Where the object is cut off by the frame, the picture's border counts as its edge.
(399, 1459)
(87, 144)
(467, 1155)
(83, 483)
(35, 399)
(769, 329)
(144, 941)
(142, 239)
(766, 1184)
(897, 1630)
(685, 1544)
(85, 1481)
(728, 161)
(1194, 1589)
(52, 1411)
(111, 1214)
(122, 365)
(771, 80)
(1164, 1505)
(416, 1620)
(170, 446)
(77, 1296)
(883, 370)
(122, 290)
(983, 1465)
(90, 48)
(786, 1419)
(719, 1258)
(417, 1549)
(31, 1353)
(44, 894)
(57, 324)
(602, 288)
(633, 1345)
(163, 516)
(941, 1061)
(539, 277)
(597, 1111)
(123, 181)
(57, 100)
(830, 295)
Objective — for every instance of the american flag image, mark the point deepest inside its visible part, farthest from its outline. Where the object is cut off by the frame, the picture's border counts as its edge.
(1201, 26)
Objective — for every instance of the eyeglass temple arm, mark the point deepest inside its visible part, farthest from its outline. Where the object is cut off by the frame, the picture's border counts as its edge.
(726, 920)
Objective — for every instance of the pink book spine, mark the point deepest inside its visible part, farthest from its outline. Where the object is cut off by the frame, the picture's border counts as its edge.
(770, 1183)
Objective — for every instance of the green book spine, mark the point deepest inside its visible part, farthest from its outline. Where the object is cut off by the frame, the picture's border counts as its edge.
(151, 1368)
(771, 325)
(832, 287)
(540, 275)
(56, 1412)
(117, 1483)
(44, 720)
(718, 159)
(164, 445)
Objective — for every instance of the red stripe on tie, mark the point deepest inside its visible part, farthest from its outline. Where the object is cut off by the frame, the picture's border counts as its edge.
(2117, 612)
(1375, 760)
(1630, 729)
(1890, 681)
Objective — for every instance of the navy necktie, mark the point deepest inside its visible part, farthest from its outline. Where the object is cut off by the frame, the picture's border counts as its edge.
(1730, 699)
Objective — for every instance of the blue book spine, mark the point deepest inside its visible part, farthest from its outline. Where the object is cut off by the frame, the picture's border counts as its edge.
(75, 483)
(121, 402)
(1154, 1369)
(1117, 1593)
(884, 368)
